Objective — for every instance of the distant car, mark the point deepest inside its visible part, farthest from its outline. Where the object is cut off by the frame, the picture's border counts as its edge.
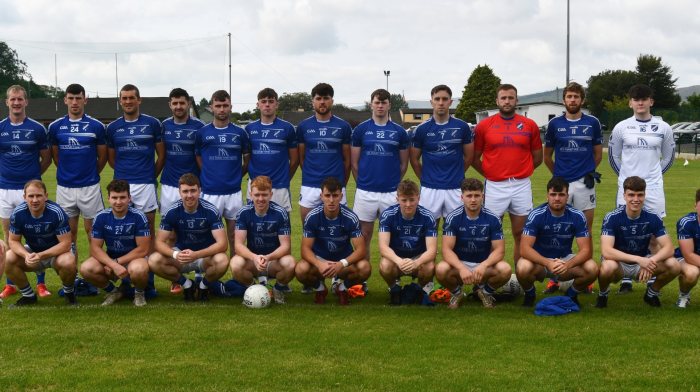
(683, 126)
(679, 125)
(687, 134)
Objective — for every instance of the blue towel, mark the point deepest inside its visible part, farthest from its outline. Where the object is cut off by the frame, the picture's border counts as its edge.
(231, 288)
(82, 289)
(555, 306)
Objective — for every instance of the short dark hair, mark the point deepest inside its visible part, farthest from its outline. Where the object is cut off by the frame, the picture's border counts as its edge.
(220, 95)
(471, 185)
(178, 92)
(505, 87)
(558, 184)
(322, 90)
(381, 94)
(130, 87)
(407, 188)
(640, 91)
(268, 93)
(75, 89)
(189, 179)
(118, 186)
(635, 184)
(575, 88)
(440, 87)
(331, 184)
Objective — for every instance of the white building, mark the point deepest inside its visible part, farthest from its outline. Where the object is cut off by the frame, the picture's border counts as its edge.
(539, 112)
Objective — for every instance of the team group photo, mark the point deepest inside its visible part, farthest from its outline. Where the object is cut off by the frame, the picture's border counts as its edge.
(306, 195)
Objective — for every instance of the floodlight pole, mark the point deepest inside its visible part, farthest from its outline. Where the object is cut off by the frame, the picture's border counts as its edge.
(386, 73)
(567, 42)
(116, 75)
(230, 91)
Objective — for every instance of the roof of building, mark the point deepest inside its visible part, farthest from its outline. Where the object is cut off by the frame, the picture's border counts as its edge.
(103, 109)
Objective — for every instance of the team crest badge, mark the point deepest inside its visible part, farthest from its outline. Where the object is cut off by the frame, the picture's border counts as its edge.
(592, 198)
(654, 127)
(519, 126)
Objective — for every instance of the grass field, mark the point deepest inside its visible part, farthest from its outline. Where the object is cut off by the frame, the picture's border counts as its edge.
(368, 346)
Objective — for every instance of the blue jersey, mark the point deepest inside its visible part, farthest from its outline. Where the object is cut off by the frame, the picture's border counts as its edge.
(573, 142)
(134, 143)
(222, 151)
(332, 236)
(263, 231)
(77, 142)
(179, 149)
(379, 169)
(39, 233)
(19, 152)
(554, 235)
(408, 235)
(474, 236)
(687, 228)
(193, 229)
(443, 155)
(270, 144)
(632, 236)
(324, 141)
(119, 234)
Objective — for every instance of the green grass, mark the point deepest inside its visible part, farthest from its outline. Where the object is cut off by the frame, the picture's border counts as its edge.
(368, 346)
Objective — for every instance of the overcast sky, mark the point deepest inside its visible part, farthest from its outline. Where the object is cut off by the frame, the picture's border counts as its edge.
(292, 45)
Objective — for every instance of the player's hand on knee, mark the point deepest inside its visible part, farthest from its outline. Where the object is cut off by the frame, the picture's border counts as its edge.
(645, 275)
(647, 263)
(478, 274)
(32, 260)
(185, 256)
(120, 271)
(558, 267)
(260, 262)
(466, 276)
(407, 266)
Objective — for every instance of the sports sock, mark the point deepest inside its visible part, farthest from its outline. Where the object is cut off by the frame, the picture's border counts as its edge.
(204, 284)
(320, 285)
(198, 274)
(184, 282)
(394, 287)
(605, 293)
(342, 287)
(651, 292)
(531, 292)
(10, 282)
(489, 289)
(41, 277)
(151, 278)
(684, 294)
(572, 292)
(109, 288)
(68, 289)
(651, 281)
(262, 280)
(138, 290)
(278, 286)
(457, 290)
(626, 280)
(27, 291)
(126, 280)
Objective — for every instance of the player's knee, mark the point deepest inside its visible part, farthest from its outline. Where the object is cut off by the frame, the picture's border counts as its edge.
(442, 270)
(503, 268)
(287, 263)
(138, 268)
(673, 265)
(155, 260)
(428, 268)
(608, 268)
(237, 263)
(523, 267)
(690, 272)
(302, 269)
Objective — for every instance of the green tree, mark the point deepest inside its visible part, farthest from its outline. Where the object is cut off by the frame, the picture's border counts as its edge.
(292, 102)
(478, 94)
(617, 103)
(203, 103)
(652, 72)
(11, 67)
(52, 91)
(341, 107)
(605, 86)
(692, 101)
(397, 102)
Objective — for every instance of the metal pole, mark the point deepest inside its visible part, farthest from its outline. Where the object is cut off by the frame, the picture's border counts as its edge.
(55, 69)
(567, 42)
(116, 75)
(230, 91)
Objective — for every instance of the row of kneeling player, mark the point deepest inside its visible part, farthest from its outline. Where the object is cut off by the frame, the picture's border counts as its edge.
(192, 237)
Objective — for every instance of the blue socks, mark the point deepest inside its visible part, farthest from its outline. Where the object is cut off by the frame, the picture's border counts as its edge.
(68, 289)
(41, 278)
(204, 284)
(27, 291)
(489, 289)
(572, 292)
(109, 288)
(531, 292)
(10, 282)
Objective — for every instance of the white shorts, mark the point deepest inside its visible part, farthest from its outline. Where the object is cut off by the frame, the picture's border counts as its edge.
(144, 197)
(369, 205)
(512, 195)
(549, 274)
(654, 200)
(228, 205)
(311, 197)
(168, 196)
(440, 201)
(470, 265)
(580, 196)
(281, 196)
(9, 200)
(86, 201)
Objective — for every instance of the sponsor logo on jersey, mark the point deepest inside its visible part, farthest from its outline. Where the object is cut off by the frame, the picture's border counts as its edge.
(177, 150)
(430, 134)
(131, 145)
(191, 237)
(471, 247)
(62, 127)
(118, 245)
(406, 245)
(73, 144)
(508, 142)
(332, 246)
(223, 156)
(259, 241)
(322, 148)
(632, 245)
(641, 141)
(264, 148)
(380, 151)
(15, 150)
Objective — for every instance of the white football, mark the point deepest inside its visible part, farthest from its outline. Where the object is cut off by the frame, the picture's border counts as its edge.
(564, 286)
(512, 286)
(257, 297)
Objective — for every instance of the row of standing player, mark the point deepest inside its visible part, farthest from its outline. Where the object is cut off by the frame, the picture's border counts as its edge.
(506, 148)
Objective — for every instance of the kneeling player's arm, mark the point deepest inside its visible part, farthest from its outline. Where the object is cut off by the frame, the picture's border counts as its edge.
(687, 249)
(476, 161)
(385, 250)
(414, 156)
(239, 245)
(607, 249)
(666, 250)
(359, 253)
(63, 246)
(430, 253)
(584, 252)
(284, 249)
(141, 250)
(220, 246)
(308, 254)
(448, 254)
(160, 245)
(15, 244)
(99, 253)
(528, 252)
(498, 252)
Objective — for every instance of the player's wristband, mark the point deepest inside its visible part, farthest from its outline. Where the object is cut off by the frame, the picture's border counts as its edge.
(175, 254)
(344, 262)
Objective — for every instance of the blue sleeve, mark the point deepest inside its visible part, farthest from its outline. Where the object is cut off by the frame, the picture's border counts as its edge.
(165, 222)
(98, 228)
(15, 227)
(582, 227)
(142, 227)
(418, 134)
(109, 138)
(43, 138)
(430, 227)
(496, 230)
(62, 227)
(531, 227)
(659, 228)
(550, 136)
(101, 134)
(597, 134)
(52, 134)
(241, 221)
(682, 232)
(347, 133)
(357, 134)
(448, 229)
(309, 228)
(467, 135)
(245, 145)
(157, 131)
(405, 142)
(285, 227)
(292, 137)
(608, 227)
(300, 134)
(385, 222)
(198, 144)
(215, 220)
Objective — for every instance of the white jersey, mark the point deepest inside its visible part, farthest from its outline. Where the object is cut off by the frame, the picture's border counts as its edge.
(636, 148)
